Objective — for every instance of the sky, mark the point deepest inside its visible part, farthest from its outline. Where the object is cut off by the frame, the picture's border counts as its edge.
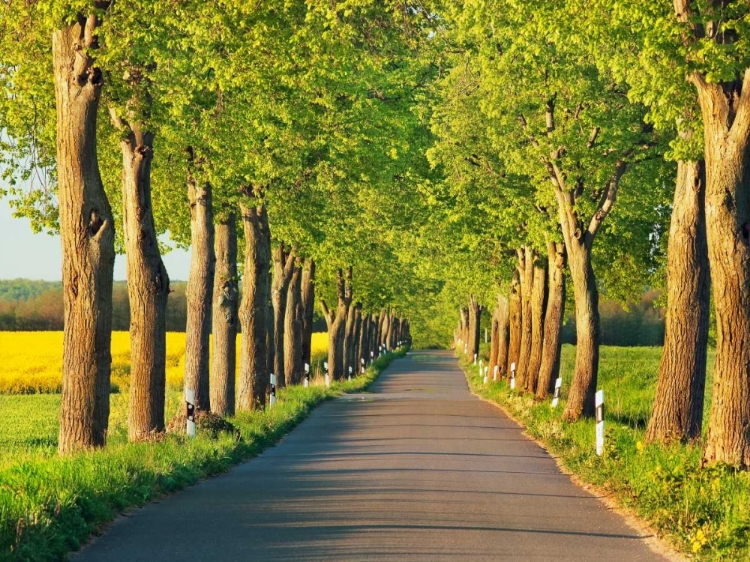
(39, 256)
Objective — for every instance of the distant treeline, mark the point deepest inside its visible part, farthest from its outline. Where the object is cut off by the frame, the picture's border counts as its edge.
(27, 305)
(641, 324)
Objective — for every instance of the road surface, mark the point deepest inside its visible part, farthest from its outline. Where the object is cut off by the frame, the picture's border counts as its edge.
(415, 469)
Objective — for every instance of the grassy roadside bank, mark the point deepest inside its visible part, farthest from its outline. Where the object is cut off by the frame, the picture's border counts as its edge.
(704, 513)
(50, 505)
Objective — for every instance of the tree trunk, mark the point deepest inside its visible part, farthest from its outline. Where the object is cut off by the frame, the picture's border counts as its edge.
(514, 322)
(148, 288)
(293, 329)
(526, 270)
(726, 122)
(475, 314)
(88, 234)
(538, 295)
(464, 330)
(255, 317)
(308, 304)
(494, 342)
(283, 267)
(553, 320)
(383, 332)
(336, 321)
(355, 341)
(199, 293)
(583, 387)
(349, 329)
(364, 337)
(502, 336)
(226, 297)
(678, 405)
(374, 336)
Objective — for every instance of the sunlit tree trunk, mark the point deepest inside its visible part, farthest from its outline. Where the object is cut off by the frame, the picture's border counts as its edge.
(87, 232)
(225, 304)
(199, 292)
(255, 315)
(553, 320)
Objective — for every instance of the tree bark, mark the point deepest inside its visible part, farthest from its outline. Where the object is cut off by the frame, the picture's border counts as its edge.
(255, 317)
(349, 329)
(538, 301)
(726, 123)
(494, 342)
(464, 330)
(225, 304)
(363, 352)
(553, 320)
(374, 336)
(475, 315)
(678, 405)
(293, 328)
(308, 306)
(148, 288)
(503, 319)
(199, 293)
(514, 322)
(526, 261)
(583, 387)
(283, 268)
(383, 332)
(336, 321)
(87, 231)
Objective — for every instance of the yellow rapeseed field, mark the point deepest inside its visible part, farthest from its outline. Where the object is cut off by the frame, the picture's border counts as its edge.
(31, 362)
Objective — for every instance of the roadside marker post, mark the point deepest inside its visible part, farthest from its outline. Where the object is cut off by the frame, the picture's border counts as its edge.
(556, 397)
(599, 422)
(272, 397)
(512, 375)
(494, 373)
(328, 378)
(363, 365)
(350, 373)
(190, 405)
(307, 375)
(372, 357)
(485, 336)
(486, 370)
(466, 348)
(475, 359)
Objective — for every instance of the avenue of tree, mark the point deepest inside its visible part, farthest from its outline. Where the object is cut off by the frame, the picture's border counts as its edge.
(394, 163)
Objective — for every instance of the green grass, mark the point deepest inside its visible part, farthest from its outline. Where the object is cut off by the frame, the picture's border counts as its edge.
(703, 512)
(49, 505)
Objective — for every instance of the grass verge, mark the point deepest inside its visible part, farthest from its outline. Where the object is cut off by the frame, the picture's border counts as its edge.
(703, 513)
(50, 505)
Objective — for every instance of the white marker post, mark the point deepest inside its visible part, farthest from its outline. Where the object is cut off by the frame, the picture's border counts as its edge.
(307, 375)
(466, 348)
(486, 370)
(485, 336)
(350, 373)
(556, 397)
(328, 379)
(513, 375)
(475, 359)
(372, 357)
(190, 405)
(272, 396)
(600, 422)
(363, 365)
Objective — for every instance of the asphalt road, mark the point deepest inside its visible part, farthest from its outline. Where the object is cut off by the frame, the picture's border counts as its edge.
(415, 469)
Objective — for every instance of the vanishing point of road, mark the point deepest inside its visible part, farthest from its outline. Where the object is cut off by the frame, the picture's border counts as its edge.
(415, 469)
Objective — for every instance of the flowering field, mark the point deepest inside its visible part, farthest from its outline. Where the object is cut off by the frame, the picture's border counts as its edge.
(31, 362)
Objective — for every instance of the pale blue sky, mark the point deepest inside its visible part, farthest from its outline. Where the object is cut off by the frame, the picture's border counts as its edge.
(38, 256)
